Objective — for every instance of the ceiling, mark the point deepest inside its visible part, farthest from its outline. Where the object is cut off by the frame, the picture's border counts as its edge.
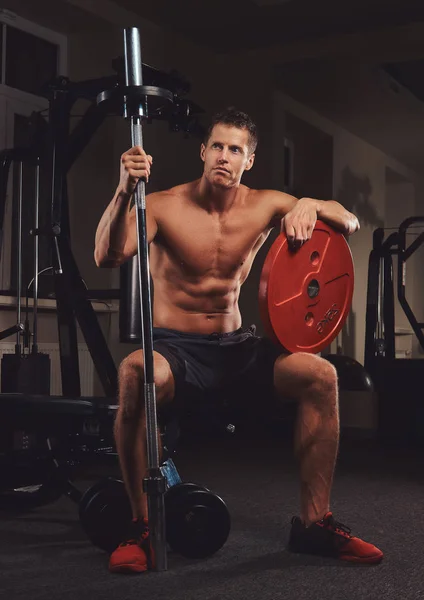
(358, 62)
(234, 25)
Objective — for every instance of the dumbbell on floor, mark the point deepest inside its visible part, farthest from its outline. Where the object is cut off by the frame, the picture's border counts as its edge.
(197, 520)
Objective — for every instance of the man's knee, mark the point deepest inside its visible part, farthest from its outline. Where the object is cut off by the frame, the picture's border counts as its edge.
(132, 366)
(295, 373)
(131, 382)
(323, 372)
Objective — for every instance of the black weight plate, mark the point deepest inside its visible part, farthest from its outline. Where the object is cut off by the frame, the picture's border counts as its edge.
(107, 483)
(176, 491)
(105, 513)
(197, 524)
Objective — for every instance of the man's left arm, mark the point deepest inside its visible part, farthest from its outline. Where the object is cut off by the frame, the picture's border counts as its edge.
(299, 216)
(336, 215)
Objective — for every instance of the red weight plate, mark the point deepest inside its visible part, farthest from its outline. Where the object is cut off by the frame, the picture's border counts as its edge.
(305, 295)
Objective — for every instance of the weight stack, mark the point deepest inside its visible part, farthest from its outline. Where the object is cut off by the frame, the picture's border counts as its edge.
(25, 374)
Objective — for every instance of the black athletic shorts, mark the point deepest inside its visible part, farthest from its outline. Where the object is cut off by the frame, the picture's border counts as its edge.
(232, 371)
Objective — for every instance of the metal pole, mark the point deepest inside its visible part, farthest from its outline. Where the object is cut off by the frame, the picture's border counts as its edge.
(154, 484)
(19, 265)
(36, 261)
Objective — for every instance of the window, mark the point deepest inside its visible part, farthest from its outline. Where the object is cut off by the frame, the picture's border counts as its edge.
(30, 57)
(30, 61)
(29, 53)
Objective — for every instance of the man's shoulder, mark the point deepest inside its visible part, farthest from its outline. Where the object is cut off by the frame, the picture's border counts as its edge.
(169, 202)
(178, 191)
(267, 194)
(272, 203)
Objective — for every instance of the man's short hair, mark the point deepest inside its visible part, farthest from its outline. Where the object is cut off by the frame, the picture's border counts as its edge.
(235, 118)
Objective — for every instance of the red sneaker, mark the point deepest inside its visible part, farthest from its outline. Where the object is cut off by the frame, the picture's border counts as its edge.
(132, 555)
(328, 537)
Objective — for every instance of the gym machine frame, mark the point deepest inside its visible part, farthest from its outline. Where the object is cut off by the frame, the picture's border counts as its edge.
(380, 326)
(58, 149)
(400, 410)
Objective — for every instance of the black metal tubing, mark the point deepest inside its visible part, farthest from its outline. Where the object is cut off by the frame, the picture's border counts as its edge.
(70, 290)
(388, 306)
(154, 484)
(19, 155)
(18, 328)
(375, 346)
(84, 131)
(409, 251)
(404, 254)
(382, 249)
(81, 307)
(395, 244)
(390, 244)
(4, 176)
(6, 158)
(60, 105)
(371, 313)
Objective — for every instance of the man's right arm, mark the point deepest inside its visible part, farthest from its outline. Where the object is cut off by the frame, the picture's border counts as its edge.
(116, 235)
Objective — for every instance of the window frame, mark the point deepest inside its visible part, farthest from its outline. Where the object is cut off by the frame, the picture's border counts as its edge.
(14, 101)
(7, 17)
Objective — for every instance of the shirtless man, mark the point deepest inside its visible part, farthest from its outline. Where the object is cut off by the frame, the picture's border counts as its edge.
(204, 236)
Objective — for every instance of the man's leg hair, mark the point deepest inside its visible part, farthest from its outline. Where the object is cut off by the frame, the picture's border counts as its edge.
(312, 381)
(130, 423)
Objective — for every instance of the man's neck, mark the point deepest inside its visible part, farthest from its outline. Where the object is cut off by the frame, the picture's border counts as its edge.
(215, 198)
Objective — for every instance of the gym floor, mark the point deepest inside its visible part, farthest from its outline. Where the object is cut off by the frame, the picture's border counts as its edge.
(377, 491)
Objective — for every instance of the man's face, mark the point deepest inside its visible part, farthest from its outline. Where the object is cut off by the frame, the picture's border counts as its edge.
(226, 155)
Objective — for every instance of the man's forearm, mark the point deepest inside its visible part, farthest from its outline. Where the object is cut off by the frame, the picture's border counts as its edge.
(112, 229)
(337, 216)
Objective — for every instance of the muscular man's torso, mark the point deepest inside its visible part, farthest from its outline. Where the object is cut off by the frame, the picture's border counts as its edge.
(199, 260)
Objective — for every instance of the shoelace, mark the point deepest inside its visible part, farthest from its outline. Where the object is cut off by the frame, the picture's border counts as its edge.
(143, 536)
(337, 526)
(331, 521)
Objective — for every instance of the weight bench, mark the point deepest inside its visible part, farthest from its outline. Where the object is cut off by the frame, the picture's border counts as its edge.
(57, 431)
(43, 438)
(40, 428)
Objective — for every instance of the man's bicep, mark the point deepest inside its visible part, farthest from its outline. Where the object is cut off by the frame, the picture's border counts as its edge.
(279, 204)
(283, 203)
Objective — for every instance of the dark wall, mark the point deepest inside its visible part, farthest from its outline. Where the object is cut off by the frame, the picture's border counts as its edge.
(312, 159)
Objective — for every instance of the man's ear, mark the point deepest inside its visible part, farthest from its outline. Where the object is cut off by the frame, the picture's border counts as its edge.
(202, 152)
(250, 162)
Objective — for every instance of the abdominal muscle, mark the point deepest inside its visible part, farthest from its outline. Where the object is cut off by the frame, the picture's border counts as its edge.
(206, 306)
